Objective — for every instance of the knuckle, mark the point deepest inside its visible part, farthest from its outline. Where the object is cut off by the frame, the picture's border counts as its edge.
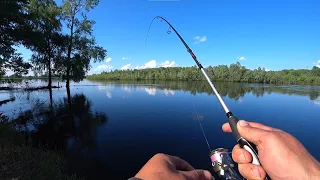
(159, 156)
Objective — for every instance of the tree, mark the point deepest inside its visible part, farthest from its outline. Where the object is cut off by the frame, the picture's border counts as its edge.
(81, 43)
(14, 26)
(315, 71)
(46, 40)
(236, 72)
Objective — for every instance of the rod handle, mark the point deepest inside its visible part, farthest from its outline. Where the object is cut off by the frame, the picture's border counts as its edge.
(233, 120)
(250, 147)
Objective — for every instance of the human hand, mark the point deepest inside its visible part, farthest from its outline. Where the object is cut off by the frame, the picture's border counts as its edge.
(166, 167)
(282, 156)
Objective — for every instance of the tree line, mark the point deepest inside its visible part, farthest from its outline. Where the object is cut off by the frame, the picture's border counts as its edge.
(232, 73)
(60, 38)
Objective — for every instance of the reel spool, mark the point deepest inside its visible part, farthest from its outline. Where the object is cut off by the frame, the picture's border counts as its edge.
(223, 165)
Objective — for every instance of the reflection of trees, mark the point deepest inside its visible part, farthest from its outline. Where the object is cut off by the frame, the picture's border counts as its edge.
(70, 128)
(229, 89)
(56, 126)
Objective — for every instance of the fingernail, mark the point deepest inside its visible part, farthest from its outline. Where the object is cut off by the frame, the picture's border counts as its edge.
(256, 173)
(208, 175)
(243, 123)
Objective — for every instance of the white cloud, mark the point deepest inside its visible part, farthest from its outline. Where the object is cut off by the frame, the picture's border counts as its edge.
(104, 67)
(126, 58)
(267, 70)
(108, 59)
(151, 91)
(200, 39)
(242, 58)
(317, 64)
(101, 68)
(168, 64)
(150, 64)
(125, 67)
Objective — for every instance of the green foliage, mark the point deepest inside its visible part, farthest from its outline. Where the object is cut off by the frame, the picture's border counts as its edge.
(14, 26)
(46, 40)
(37, 25)
(233, 73)
(82, 46)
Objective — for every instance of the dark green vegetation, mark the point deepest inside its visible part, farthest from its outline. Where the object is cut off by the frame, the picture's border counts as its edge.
(232, 73)
(39, 154)
(37, 25)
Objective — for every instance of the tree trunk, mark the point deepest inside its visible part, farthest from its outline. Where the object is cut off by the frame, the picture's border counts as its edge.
(69, 54)
(49, 68)
(68, 77)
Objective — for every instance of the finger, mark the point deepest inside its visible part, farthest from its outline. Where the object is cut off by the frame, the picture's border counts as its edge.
(226, 127)
(197, 175)
(240, 155)
(252, 134)
(251, 171)
(180, 164)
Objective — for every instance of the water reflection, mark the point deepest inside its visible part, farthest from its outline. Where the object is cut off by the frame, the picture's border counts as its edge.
(234, 91)
(143, 126)
(151, 91)
(107, 89)
(70, 128)
(168, 92)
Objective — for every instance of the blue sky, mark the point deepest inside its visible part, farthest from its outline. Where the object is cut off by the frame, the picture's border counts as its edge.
(272, 34)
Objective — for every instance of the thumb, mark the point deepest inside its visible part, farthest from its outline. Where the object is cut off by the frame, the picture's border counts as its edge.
(197, 175)
(252, 134)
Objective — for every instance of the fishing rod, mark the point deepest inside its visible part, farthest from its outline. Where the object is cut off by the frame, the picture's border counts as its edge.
(250, 147)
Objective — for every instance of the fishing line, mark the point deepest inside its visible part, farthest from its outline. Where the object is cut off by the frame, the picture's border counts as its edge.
(204, 134)
(233, 120)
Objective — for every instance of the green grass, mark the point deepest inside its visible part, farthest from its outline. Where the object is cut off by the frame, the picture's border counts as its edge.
(18, 161)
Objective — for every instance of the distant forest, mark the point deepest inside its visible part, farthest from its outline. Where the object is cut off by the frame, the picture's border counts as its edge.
(233, 73)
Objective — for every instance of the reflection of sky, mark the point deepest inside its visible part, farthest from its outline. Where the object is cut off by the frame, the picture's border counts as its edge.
(126, 88)
(317, 102)
(167, 92)
(106, 89)
(151, 91)
(240, 100)
(108, 94)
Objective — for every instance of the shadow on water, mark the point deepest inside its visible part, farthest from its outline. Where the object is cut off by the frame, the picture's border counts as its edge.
(68, 126)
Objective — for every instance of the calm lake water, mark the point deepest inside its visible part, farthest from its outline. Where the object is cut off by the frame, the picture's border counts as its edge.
(126, 123)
